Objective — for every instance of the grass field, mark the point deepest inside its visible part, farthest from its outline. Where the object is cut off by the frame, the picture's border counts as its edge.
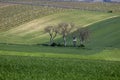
(35, 68)
(22, 57)
(111, 54)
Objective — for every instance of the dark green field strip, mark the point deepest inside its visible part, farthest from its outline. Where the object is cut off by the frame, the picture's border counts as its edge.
(109, 54)
(35, 68)
(44, 49)
(106, 33)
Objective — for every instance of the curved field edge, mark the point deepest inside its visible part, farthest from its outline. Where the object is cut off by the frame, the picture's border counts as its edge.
(105, 33)
(33, 31)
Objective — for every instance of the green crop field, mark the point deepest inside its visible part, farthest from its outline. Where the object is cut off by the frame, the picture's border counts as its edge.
(23, 57)
(35, 68)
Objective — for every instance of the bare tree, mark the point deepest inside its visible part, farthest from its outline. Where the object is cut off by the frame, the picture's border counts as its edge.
(83, 35)
(64, 30)
(53, 31)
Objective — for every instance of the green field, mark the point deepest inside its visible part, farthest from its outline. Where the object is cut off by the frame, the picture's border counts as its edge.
(36, 68)
(22, 57)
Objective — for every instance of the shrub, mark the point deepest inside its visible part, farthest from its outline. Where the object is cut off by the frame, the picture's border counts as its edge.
(82, 46)
(53, 44)
(110, 11)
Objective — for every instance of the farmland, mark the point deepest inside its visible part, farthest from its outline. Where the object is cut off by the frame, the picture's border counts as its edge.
(32, 32)
(24, 57)
(97, 6)
(18, 14)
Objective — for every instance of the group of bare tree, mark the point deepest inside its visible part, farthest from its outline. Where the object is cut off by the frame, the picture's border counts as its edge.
(64, 29)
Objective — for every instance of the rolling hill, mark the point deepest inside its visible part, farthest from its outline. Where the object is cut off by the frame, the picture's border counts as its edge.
(106, 33)
(104, 38)
(23, 58)
(31, 30)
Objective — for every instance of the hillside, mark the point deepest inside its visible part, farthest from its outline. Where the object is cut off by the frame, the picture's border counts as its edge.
(33, 31)
(24, 57)
(13, 15)
(23, 25)
(106, 33)
(104, 37)
(104, 44)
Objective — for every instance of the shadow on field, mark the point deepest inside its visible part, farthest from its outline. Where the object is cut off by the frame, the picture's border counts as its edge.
(44, 48)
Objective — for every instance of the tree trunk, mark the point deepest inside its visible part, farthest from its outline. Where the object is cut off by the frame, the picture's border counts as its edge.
(51, 40)
(81, 42)
(65, 43)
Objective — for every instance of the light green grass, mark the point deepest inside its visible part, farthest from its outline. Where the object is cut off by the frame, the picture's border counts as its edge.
(110, 55)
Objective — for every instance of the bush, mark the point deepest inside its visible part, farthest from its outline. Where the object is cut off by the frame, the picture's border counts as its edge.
(60, 45)
(82, 46)
(53, 44)
(110, 11)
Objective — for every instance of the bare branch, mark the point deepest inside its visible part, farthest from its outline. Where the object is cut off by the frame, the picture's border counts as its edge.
(53, 31)
(65, 29)
(83, 34)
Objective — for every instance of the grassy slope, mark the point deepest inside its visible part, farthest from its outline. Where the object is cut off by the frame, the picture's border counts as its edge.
(103, 34)
(106, 33)
(32, 32)
(99, 48)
